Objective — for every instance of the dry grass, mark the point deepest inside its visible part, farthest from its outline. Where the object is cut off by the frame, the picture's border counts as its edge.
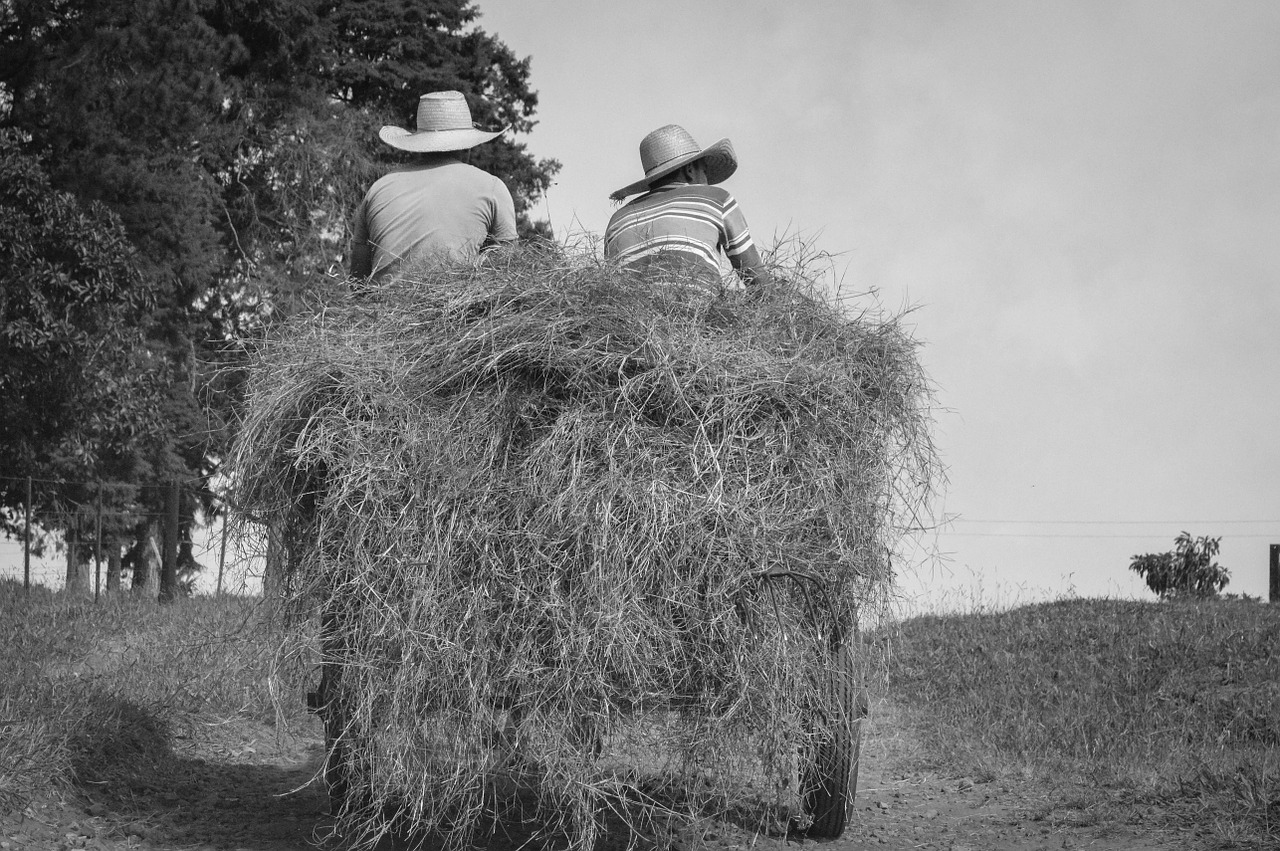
(539, 497)
(91, 693)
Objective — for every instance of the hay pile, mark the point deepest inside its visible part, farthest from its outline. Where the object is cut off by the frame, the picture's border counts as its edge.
(533, 501)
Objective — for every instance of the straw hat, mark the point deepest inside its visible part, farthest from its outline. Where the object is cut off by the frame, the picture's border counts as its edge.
(668, 148)
(444, 124)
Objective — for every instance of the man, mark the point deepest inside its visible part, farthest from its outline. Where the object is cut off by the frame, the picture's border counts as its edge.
(683, 219)
(437, 206)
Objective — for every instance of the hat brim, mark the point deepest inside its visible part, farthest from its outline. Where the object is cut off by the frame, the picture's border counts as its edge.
(720, 158)
(436, 140)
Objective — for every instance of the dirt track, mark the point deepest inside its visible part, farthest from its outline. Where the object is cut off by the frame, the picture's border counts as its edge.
(242, 789)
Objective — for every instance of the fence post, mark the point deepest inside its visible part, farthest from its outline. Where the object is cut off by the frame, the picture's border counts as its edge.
(97, 545)
(1275, 573)
(222, 553)
(26, 541)
(76, 583)
(169, 563)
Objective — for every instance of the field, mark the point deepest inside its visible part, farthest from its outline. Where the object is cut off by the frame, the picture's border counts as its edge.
(1109, 723)
(1167, 713)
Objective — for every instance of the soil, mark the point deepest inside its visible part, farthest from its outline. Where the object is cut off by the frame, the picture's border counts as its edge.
(243, 787)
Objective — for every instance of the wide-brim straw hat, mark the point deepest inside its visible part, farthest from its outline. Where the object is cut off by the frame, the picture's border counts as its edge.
(668, 148)
(444, 124)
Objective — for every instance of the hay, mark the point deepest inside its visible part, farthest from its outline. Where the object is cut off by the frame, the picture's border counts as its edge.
(534, 499)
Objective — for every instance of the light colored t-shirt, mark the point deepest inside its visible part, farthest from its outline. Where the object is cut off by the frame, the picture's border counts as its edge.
(442, 208)
(692, 220)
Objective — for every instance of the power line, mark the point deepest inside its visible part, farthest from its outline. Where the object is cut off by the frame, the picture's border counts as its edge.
(1112, 522)
(1084, 536)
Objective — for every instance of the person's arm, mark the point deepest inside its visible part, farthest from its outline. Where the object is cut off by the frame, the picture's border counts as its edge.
(750, 267)
(361, 252)
(502, 227)
(361, 260)
(742, 252)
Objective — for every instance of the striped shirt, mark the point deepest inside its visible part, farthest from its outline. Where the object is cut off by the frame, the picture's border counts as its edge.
(691, 220)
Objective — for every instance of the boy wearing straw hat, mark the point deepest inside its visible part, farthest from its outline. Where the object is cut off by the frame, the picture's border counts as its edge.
(683, 218)
(439, 205)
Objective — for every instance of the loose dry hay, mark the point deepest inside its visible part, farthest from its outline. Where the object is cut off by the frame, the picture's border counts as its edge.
(534, 500)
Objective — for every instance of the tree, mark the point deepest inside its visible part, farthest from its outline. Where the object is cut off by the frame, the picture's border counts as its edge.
(315, 82)
(1188, 571)
(125, 99)
(82, 393)
(231, 141)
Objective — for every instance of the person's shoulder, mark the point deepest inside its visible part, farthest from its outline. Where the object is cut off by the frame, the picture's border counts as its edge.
(716, 193)
(398, 174)
(639, 201)
(467, 171)
(677, 192)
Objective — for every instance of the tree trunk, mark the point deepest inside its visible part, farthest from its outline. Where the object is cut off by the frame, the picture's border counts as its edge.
(78, 580)
(113, 568)
(169, 544)
(273, 570)
(146, 562)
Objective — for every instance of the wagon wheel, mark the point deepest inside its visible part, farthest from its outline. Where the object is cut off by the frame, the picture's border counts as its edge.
(831, 770)
(326, 703)
(336, 755)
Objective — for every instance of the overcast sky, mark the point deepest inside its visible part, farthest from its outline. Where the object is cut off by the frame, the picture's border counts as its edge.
(1081, 200)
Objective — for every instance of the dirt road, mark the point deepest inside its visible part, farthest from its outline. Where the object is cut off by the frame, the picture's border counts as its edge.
(243, 788)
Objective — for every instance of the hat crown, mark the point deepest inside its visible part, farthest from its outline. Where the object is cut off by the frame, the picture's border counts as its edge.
(440, 111)
(667, 149)
(664, 145)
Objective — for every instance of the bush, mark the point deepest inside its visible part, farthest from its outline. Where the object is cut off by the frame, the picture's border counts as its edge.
(1188, 571)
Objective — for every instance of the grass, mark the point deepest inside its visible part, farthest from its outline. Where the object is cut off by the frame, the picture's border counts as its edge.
(93, 693)
(1173, 704)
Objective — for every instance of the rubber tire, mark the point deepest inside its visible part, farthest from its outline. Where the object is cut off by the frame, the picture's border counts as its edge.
(335, 772)
(831, 776)
(329, 709)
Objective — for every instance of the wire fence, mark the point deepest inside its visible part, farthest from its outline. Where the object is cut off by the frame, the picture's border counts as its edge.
(215, 560)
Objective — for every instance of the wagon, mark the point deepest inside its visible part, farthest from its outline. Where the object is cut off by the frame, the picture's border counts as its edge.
(534, 513)
(828, 762)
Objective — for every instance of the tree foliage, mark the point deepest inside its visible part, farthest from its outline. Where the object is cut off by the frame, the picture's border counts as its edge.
(1187, 571)
(212, 153)
(82, 392)
(310, 148)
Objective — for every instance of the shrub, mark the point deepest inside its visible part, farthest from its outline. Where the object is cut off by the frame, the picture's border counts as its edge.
(1188, 571)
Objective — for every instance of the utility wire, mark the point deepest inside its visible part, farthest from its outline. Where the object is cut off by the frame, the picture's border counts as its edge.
(1077, 537)
(1109, 522)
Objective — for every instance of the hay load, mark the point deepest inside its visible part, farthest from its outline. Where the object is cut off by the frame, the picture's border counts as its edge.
(570, 537)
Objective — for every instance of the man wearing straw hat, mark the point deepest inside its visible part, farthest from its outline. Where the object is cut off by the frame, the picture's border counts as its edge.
(438, 206)
(683, 218)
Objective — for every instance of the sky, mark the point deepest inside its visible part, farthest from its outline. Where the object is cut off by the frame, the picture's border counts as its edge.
(1079, 202)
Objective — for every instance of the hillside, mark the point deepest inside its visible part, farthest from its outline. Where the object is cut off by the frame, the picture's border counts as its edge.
(1166, 709)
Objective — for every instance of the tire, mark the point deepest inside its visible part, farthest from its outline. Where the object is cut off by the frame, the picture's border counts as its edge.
(831, 773)
(328, 705)
(335, 768)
